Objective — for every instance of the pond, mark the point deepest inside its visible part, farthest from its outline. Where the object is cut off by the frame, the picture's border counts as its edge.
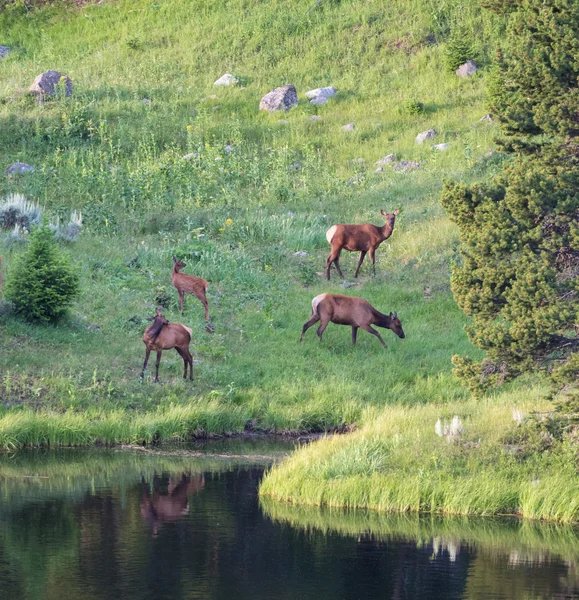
(112, 524)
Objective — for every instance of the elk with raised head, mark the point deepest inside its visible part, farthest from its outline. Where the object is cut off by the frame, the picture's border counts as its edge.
(358, 238)
(162, 335)
(352, 311)
(187, 284)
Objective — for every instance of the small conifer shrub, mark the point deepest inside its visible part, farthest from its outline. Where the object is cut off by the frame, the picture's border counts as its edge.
(459, 49)
(42, 283)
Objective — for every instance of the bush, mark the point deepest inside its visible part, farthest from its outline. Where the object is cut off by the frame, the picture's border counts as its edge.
(42, 283)
(413, 107)
(459, 49)
(16, 210)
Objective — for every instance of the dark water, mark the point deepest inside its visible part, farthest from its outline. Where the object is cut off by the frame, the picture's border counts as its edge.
(123, 525)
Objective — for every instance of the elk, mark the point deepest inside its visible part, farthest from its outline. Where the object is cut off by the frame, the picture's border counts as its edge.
(352, 311)
(159, 508)
(358, 238)
(162, 335)
(187, 284)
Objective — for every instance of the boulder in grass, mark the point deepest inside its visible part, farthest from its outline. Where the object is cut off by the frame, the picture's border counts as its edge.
(406, 165)
(321, 95)
(386, 160)
(47, 84)
(441, 147)
(425, 135)
(348, 127)
(227, 80)
(282, 98)
(4, 51)
(467, 69)
(488, 118)
(18, 168)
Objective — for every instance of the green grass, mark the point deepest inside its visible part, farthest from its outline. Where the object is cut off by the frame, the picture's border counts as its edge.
(397, 463)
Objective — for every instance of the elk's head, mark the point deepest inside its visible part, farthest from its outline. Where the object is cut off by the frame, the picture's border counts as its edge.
(179, 264)
(390, 217)
(396, 325)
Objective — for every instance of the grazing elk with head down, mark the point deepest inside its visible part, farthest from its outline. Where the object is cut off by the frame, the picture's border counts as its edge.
(187, 284)
(358, 238)
(352, 311)
(162, 335)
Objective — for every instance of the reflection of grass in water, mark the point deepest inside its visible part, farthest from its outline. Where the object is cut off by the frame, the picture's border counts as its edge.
(39, 476)
(529, 541)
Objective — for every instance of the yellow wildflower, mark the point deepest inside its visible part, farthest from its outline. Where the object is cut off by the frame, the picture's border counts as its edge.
(229, 222)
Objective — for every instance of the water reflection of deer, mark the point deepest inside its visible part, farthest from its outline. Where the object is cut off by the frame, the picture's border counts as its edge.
(160, 507)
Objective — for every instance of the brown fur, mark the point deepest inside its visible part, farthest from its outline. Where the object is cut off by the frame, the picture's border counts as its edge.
(187, 284)
(162, 335)
(358, 238)
(352, 311)
(159, 508)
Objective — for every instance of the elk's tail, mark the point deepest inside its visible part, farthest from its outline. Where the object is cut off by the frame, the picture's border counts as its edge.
(316, 303)
(330, 233)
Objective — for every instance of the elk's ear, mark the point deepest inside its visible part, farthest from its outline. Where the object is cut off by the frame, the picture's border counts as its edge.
(158, 312)
(395, 315)
(383, 213)
(396, 211)
(391, 315)
(150, 319)
(174, 259)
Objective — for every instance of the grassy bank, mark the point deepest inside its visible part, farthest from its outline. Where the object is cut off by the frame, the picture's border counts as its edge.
(398, 463)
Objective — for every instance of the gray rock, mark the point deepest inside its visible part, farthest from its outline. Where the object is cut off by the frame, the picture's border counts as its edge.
(325, 92)
(283, 121)
(348, 127)
(146, 101)
(360, 161)
(46, 84)
(20, 167)
(216, 107)
(316, 118)
(93, 327)
(406, 165)
(386, 160)
(4, 51)
(349, 284)
(282, 98)
(227, 79)
(379, 170)
(228, 149)
(425, 135)
(191, 156)
(319, 100)
(441, 147)
(487, 118)
(296, 166)
(300, 253)
(467, 69)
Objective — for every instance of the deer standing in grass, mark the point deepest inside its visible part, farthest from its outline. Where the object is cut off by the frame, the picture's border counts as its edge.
(358, 238)
(187, 284)
(162, 335)
(352, 311)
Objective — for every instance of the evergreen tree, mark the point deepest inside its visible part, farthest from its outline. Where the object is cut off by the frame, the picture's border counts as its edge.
(42, 283)
(520, 234)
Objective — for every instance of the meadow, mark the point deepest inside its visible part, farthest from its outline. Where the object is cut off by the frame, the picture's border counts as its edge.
(247, 209)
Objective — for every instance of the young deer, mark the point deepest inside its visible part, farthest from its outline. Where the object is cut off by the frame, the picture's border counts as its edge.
(358, 238)
(187, 284)
(162, 335)
(352, 311)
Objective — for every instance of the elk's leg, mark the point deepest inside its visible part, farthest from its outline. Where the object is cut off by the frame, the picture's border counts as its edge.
(185, 360)
(190, 361)
(354, 334)
(360, 261)
(371, 330)
(322, 328)
(313, 319)
(334, 257)
(203, 300)
(145, 363)
(159, 352)
(181, 298)
(373, 259)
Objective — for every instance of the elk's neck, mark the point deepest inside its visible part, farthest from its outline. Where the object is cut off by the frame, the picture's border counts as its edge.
(387, 230)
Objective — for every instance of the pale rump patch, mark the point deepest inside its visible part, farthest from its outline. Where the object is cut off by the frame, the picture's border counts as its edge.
(330, 233)
(316, 301)
(189, 330)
